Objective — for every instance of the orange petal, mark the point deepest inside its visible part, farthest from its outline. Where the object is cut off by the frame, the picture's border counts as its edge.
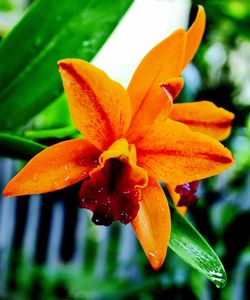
(100, 107)
(194, 35)
(174, 154)
(158, 104)
(54, 168)
(164, 61)
(152, 224)
(173, 87)
(176, 197)
(204, 117)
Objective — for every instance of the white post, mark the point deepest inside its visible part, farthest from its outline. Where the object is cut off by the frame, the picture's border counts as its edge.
(146, 23)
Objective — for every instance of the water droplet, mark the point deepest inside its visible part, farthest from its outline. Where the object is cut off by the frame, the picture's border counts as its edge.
(215, 273)
(84, 174)
(151, 254)
(68, 82)
(126, 192)
(35, 177)
(83, 199)
(123, 158)
(217, 279)
(101, 189)
(56, 184)
(86, 43)
(82, 160)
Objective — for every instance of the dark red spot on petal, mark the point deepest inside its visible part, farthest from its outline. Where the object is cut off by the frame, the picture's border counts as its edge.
(219, 124)
(203, 155)
(187, 193)
(110, 195)
(172, 89)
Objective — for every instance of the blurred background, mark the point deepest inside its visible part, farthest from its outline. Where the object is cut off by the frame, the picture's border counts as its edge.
(49, 249)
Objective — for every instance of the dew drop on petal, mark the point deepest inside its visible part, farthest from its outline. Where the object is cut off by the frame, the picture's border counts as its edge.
(56, 184)
(67, 178)
(151, 254)
(35, 177)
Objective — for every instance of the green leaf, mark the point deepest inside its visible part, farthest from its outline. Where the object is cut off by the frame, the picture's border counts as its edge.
(5, 5)
(17, 147)
(187, 243)
(51, 30)
(59, 133)
(55, 115)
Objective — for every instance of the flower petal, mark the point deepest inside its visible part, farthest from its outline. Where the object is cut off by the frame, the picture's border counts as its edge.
(54, 168)
(100, 107)
(173, 87)
(174, 154)
(164, 61)
(152, 224)
(204, 117)
(160, 103)
(176, 197)
(194, 35)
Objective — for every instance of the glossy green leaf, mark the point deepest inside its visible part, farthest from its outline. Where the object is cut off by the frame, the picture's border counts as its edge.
(17, 147)
(187, 243)
(51, 30)
(58, 133)
(5, 5)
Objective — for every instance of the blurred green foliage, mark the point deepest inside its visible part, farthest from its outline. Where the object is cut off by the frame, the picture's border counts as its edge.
(6, 5)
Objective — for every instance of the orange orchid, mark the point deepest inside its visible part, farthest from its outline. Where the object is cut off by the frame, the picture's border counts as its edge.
(132, 138)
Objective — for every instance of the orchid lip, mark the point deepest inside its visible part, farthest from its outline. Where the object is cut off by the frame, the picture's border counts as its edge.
(109, 195)
(113, 189)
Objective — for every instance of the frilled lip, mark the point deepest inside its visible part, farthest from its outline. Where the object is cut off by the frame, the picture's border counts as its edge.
(114, 188)
(171, 146)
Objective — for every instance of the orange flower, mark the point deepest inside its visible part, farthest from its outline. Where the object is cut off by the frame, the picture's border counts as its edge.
(130, 143)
